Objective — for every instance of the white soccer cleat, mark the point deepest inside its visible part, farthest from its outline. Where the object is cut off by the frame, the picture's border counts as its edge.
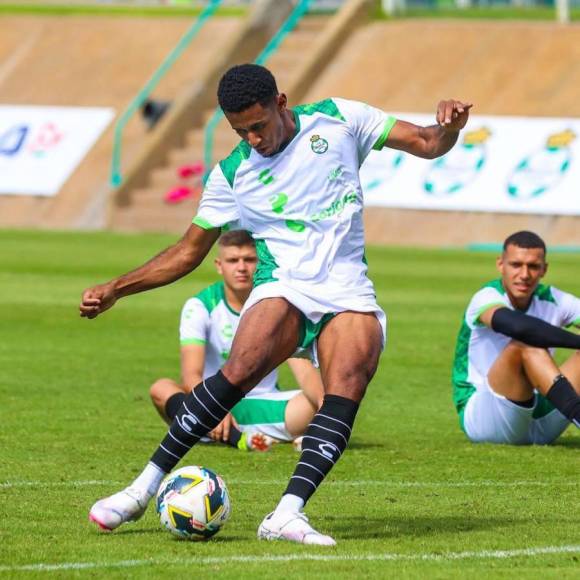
(126, 506)
(293, 527)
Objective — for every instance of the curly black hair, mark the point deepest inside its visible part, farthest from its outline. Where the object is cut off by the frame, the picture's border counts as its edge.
(245, 85)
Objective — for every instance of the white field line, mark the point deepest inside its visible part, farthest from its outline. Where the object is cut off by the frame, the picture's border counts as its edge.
(385, 557)
(345, 483)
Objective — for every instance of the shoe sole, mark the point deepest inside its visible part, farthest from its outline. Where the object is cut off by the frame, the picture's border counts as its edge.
(101, 525)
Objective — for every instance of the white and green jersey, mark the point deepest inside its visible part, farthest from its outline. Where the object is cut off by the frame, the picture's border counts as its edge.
(208, 319)
(304, 205)
(478, 346)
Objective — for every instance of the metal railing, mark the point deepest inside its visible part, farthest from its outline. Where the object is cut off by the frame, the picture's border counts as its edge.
(116, 170)
(287, 26)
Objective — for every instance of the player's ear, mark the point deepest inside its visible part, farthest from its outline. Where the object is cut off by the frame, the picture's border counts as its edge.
(282, 102)
(218, 266)
(499, 263)
(545, 269)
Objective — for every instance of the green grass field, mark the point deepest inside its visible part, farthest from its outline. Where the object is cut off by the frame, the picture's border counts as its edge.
(410, 498)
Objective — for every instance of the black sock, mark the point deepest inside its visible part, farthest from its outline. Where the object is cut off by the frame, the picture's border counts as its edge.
(173, 404)
(202, 410)
(525, 404)
(323, 444)
(234, 437)
(563, 396)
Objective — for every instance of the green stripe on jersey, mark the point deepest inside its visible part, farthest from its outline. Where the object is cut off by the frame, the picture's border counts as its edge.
(495, 284)
(543, 292)
(326, 107)
(230, 164)
(188, 341)
(266, 264)
(252, 411)
(486, 308)
(462, 388)
(389, 124)
(203, 224)
(211, 296)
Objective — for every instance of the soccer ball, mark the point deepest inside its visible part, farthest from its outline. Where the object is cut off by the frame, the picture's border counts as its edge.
(193, 503)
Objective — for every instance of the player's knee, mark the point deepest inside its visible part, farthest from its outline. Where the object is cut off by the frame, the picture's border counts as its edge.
(160, 390)
(242, 376)
(533, 354)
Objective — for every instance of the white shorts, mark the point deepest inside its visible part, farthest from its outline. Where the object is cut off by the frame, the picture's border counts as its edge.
(315, 309)
(265, 413)
(491, 418)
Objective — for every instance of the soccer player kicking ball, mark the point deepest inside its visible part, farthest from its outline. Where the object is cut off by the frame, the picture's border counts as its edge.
(293, 182)
(208, 324)
(507, 388)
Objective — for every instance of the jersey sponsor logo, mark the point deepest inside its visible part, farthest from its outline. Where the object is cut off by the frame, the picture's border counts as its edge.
(543, 169)
(187, 422)
(278, 201)
(227, 331)
(335, 208)
(265, 178)
(318, 144)
(335, 174)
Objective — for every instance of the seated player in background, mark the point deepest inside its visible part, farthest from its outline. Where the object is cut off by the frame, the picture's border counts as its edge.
(208, 323)
(507, 388)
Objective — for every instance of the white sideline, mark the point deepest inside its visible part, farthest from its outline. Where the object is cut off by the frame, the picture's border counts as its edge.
(356, 483)
(386, 557)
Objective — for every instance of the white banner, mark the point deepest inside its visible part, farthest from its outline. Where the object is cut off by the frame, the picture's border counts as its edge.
(41, 146)
(499, 164)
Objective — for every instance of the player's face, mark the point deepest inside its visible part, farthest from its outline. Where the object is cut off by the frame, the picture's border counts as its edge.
(521, 271)
(262, 127)
(237, 264)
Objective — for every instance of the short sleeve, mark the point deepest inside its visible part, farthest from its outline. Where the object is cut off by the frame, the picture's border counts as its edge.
(370, 126)
(218, 206)
(195, 323)
(569, 308)
(482, 301)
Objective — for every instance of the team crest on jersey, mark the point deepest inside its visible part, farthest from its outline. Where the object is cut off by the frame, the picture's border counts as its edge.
(318, 144)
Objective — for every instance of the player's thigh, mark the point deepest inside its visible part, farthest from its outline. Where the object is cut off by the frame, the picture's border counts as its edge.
(506, 376)
(548, 428)
(491, 418)
(349, 347)
(571, 370)
(267, 335)
(299, 414)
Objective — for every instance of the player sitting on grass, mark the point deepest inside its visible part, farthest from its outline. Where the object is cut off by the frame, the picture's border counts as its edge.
(208, 324)
(293, 182)
(507, 386)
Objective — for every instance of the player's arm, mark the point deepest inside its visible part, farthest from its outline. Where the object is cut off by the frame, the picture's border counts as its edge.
(433, 141)
(528, 329)
(308, 379)
(168, 266)
(192, 362)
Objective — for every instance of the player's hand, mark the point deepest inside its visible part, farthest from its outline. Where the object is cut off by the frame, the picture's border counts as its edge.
(452, 115)
(96, 300)
(222, 431)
